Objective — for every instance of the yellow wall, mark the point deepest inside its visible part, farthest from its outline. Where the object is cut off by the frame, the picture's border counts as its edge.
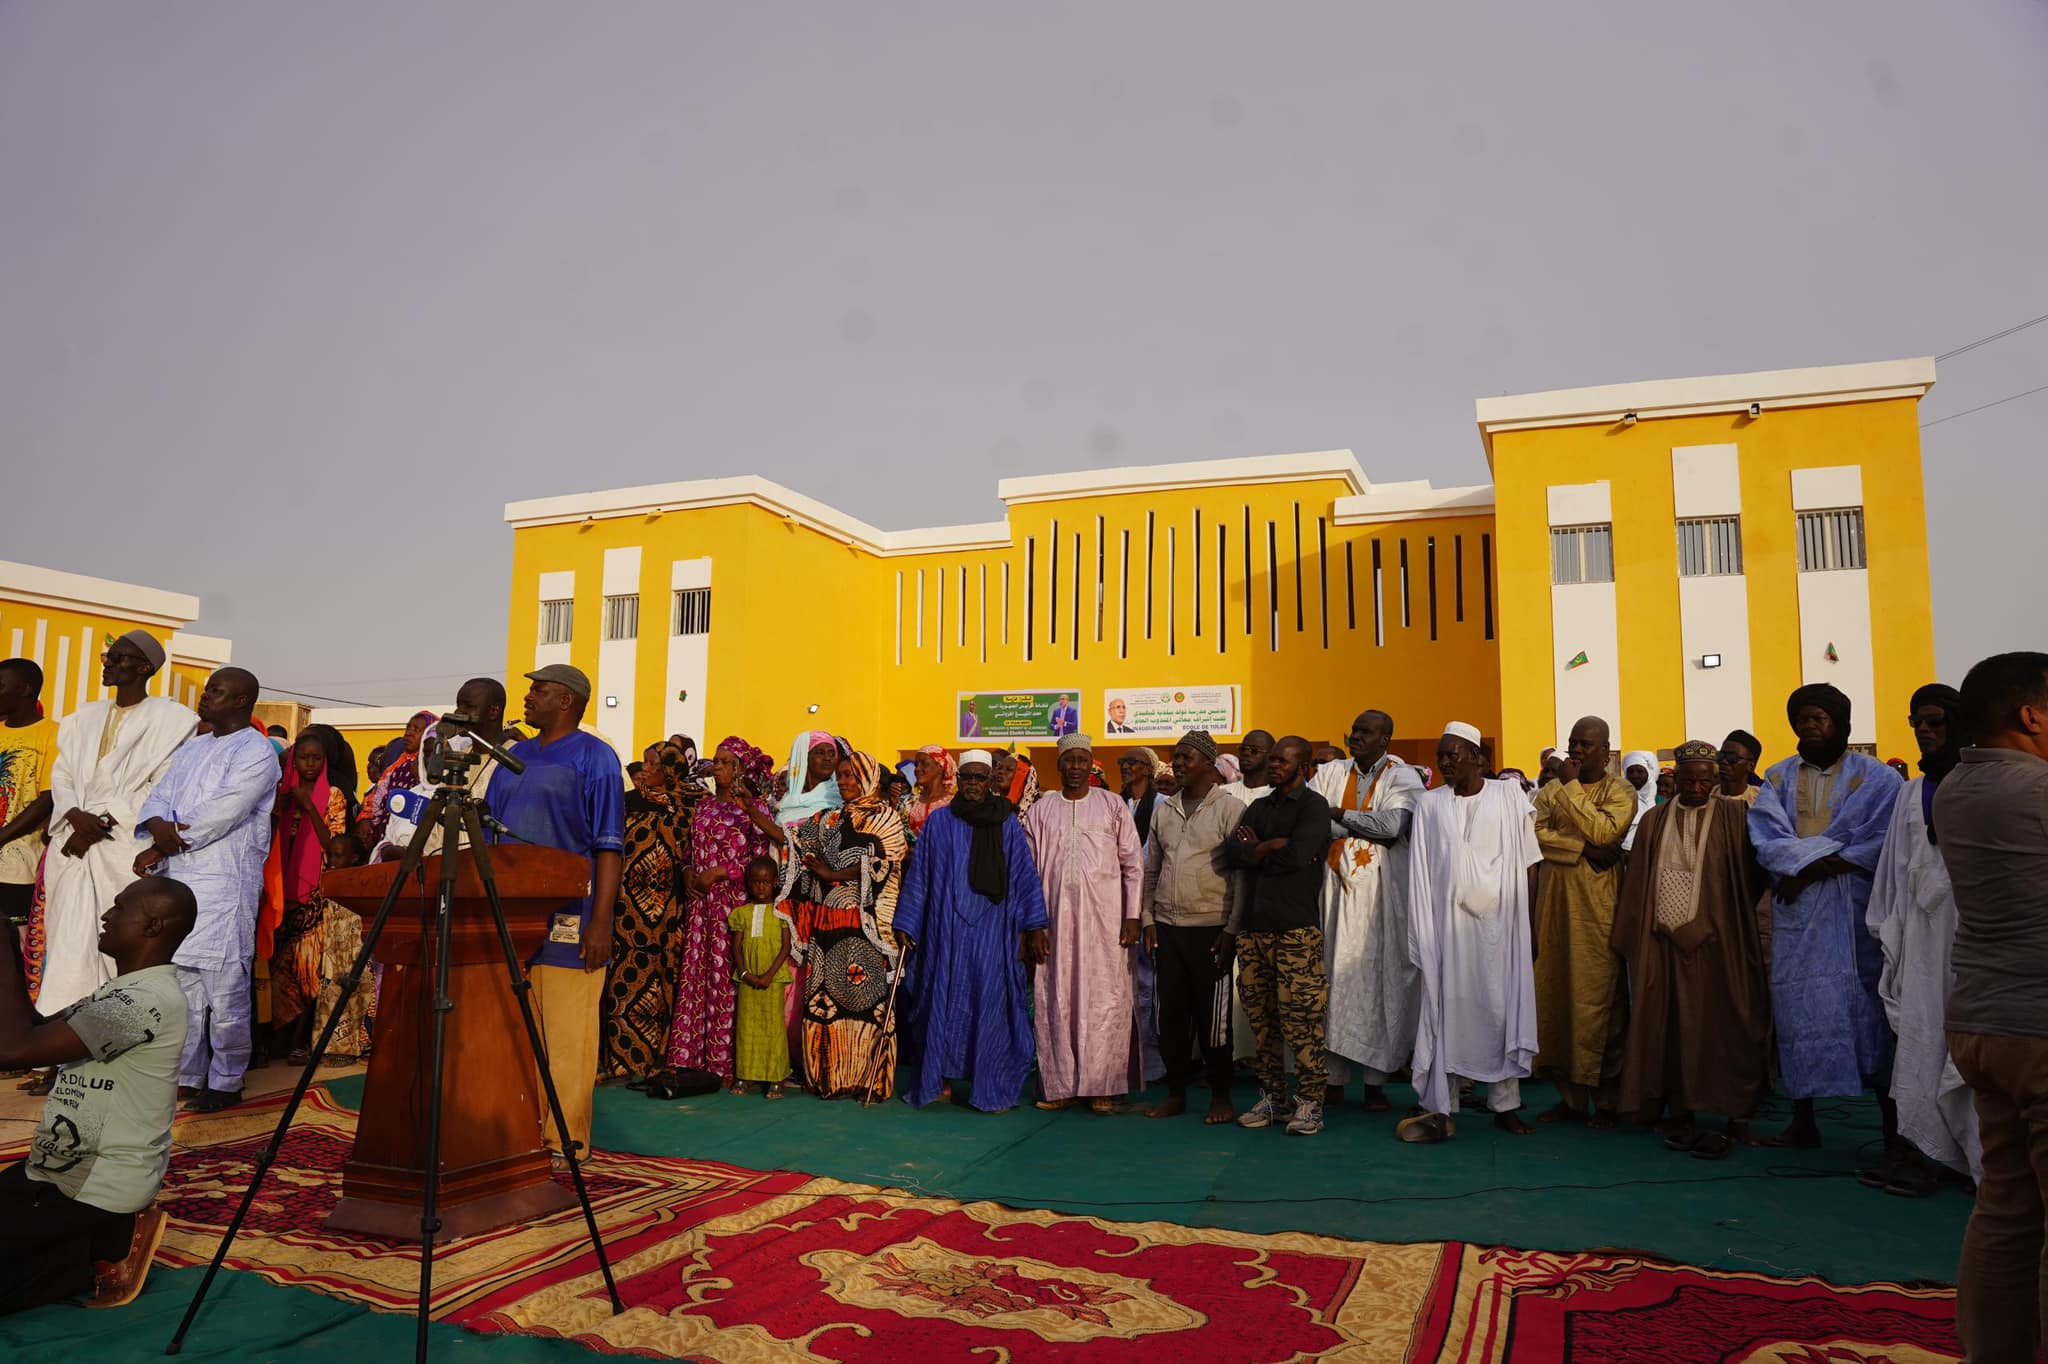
(1883, 437)
(65, 655)
(800, 618)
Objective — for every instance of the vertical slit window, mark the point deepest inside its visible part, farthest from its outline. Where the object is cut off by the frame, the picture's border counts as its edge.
(1299, 624)
(1379, 597)
(1052, 587)
(1123, 597)
(1458, 577)
(1172, 586)
(1406, 620)
(1273, 585)
(1101, 555)
(1075, 623)
(1149, 531)
(1323, 573)
(1486, 579)
(1195, 542)
(1350, 592)
(1429, 569)
(1222, 584)
(1247, 572)
(1030, 593)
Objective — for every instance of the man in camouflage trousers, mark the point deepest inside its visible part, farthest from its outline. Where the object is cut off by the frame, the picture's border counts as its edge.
(1282, 841)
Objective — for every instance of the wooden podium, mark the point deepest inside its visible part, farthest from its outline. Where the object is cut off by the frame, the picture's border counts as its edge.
(494, 1167)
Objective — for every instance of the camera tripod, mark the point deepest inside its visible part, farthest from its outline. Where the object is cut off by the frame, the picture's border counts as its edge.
(457, 814)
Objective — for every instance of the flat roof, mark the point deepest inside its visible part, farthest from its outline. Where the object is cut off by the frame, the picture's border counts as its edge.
(96, 596)
(1652, 398)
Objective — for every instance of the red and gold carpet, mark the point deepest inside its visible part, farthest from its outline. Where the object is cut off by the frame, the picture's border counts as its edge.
(731, 1265)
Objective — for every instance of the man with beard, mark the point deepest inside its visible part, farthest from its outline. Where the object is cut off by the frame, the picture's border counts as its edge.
(1580, 821)
(1365, 909)
(1913, 914)
(1699, 1022)
(1818, 826)
(971, 914)
(1471, 850)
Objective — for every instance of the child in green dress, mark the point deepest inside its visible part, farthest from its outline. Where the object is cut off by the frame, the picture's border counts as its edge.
(760, 970)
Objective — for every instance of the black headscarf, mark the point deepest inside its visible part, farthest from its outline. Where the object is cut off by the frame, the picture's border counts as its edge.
(1831, 700)
(988, 865)
(1941, 761)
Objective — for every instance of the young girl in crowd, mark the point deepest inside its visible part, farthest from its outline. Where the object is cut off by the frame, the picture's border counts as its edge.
(760, 968)
(341, 940)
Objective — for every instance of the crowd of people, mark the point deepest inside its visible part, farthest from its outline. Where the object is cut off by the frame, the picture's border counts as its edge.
(1668, 943)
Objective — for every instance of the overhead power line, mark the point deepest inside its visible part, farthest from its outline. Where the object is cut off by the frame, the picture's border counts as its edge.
(2010, 398)
(1987, 340)
(314, 696)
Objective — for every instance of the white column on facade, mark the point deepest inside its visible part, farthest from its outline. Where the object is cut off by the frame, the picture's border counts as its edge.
(1582, 621)
(616, 657)
(88, 676)
(14, 643)
(689, 657)
(41, 636)
(558, 586)
(1713, 610)
(1834, 605)
(53, 693)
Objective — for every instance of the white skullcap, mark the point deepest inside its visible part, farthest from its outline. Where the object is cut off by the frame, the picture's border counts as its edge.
(1458, 729)
(1068, 741)
(977, 755)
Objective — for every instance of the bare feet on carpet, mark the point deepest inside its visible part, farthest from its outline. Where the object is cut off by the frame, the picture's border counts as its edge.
(1563, 1112)
(1172, 1106)
(1220, 1112)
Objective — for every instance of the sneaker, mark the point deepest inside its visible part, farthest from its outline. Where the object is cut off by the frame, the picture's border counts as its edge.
(1307, 1119)
(1265, 1113)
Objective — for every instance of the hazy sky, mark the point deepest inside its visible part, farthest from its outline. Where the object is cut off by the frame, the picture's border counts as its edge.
(294, 297)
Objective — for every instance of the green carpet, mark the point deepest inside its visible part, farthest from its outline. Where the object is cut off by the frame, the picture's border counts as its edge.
(1777, 1212)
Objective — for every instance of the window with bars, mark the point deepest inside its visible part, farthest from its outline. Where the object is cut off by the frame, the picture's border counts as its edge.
(556, 620)
(622, 617)
(1710, 546)
(1581, 554)
(1830, 540)
(692, 613)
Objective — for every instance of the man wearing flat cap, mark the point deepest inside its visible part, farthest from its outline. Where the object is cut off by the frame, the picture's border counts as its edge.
(110, 756)
(571, 796)
(1818, 825)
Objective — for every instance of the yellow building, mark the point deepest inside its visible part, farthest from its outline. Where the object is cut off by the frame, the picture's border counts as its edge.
(64, 621)
(1284, 592)
(1677, 556)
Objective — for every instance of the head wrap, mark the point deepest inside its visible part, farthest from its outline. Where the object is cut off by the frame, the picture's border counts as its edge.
(1749, 742)
(1068, 741)
(1829, 698)
(1199, 740)
(1458, 729)
(800, 804)
(920, 809)
(977, 755)
(1943, 760)
(867, 777)
(147, 643)
(755, 766)
(1695, 751)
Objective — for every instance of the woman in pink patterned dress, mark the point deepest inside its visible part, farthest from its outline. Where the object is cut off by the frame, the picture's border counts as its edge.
(730, 828)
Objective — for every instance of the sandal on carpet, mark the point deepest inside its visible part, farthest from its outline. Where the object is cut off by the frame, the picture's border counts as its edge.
(740, 1087)
(1054, 1105)
(1712, 1146)
(1684, 1139)
(116, 1283)
(214, 1100)
(37, 1084)
(1426, 1128)
(774, 1092)
(1881, 1174)
(1913, 1179)
(1103, 1106)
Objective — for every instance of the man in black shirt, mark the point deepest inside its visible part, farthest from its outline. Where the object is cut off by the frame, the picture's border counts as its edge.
(1283, 841)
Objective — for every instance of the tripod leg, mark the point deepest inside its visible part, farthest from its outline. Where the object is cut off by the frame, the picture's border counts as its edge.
(521, 989)
(349, 984)
(430, 1193)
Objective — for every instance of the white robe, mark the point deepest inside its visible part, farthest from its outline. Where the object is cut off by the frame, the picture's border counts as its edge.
(1468, 929)
(78, 890)
(1913, 914)
(1373, 988)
